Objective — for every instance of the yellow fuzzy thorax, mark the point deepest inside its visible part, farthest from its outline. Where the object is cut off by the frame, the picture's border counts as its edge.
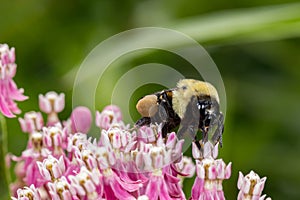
(186, 89)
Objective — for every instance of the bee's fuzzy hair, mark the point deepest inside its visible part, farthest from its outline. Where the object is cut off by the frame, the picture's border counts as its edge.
(186, 89)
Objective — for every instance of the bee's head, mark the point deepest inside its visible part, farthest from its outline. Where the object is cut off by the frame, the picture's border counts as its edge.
(186, 89)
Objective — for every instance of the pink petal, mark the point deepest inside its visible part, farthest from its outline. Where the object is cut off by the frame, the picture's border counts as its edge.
(195, 151)
(197, 188)
(15, 93)
(61, 164)
(171, 179)
(258, 188)
(262, 197)
(240, 195)
(5, 109)
(246, 186)
(116, 140)
(59, 103)
(164, 192)
(89, 186)
(153, 188)
(215, 151)
(130, 147)
(44, 104)
(172, 138)
(67, 195)
(22, 124)
(212, 172)
(119, 192)
(158, 161)
(228, 171)
(139, 160)
(240, 180)
(200, 170)
(12, 55)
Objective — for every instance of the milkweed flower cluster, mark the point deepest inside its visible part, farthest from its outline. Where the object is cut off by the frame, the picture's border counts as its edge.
(210, 173)
(251, 187)
(9, 92)
(62, 163)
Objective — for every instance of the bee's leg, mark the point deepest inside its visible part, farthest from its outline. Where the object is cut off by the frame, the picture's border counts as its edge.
(164, 131)
(205, 134)
(217, 136)
(193, 135)
(204, 130)
(145, 121)
(197, 142)
(188, 133)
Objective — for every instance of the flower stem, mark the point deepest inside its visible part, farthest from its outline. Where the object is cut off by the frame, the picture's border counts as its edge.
(4, 170)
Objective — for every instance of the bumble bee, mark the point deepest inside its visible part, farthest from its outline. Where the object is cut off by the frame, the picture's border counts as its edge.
(193, 104)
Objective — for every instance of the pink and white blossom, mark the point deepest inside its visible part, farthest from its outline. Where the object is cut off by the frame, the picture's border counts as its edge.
(251, 187)
(109, 116)
(51, 104)
(33, 121)
(208, 182)
(9, 92)
(87, 184)
(28, 193)
(62, 189)
(51, 168)
(62, 162)
(81, 119)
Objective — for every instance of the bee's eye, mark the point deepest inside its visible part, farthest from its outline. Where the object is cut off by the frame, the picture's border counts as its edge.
(184, 87)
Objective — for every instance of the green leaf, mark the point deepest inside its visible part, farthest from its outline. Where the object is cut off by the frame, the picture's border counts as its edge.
(244, 25)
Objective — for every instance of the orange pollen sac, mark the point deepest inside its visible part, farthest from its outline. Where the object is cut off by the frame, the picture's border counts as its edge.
(147, 106)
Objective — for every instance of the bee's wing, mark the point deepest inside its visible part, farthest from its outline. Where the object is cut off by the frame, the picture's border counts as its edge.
(190, 122)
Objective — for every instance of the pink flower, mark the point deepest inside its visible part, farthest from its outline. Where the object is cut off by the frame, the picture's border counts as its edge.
(155, 159)
(110, 115)
(54, 138)
(157, 187)
(63, 163)
(208, 150)
(35, 148)
(251, 187)
(105, 158)
(152, 156)
(122, 141)
(51, 168)
(8, 88)
(52, 103)
(33, 121)
(115, 188)
(35, 151)
(147, 134)
(86, 158)
(210, 175)
(61, 189)
(186, 167)
(28, 193)
(81, 120)
(77, 141)
(87, 184)
(15, 186)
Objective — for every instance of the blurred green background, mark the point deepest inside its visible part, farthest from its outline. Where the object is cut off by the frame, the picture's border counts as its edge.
(255, 44)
